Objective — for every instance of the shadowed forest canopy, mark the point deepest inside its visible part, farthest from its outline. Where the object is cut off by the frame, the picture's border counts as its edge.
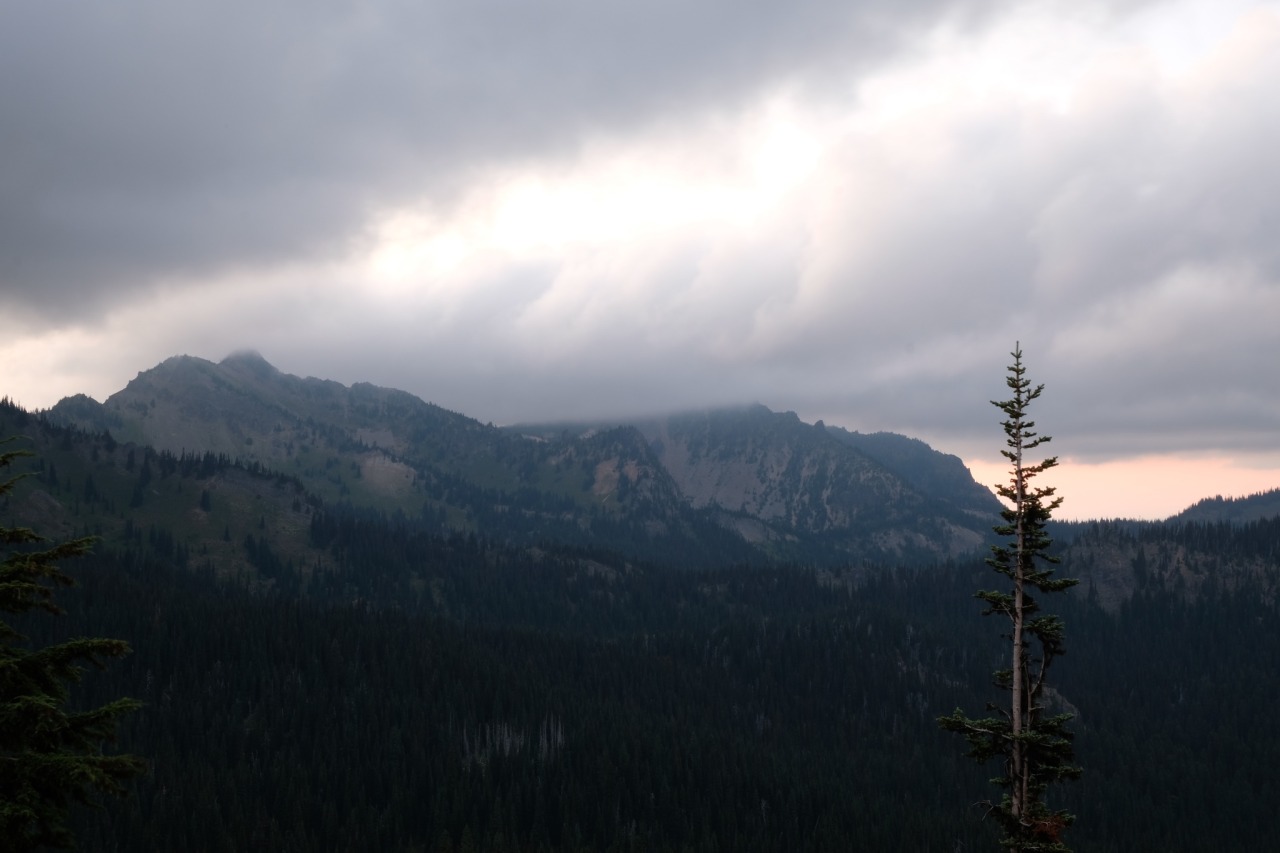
(317, 675)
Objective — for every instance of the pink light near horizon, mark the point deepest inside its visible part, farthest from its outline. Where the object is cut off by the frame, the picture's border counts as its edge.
(1148, 487)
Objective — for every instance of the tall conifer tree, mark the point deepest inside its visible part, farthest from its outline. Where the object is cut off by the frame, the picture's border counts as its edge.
(50, 757)
(1035, 745)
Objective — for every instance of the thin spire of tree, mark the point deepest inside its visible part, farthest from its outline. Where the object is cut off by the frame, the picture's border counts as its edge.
(1035, 745)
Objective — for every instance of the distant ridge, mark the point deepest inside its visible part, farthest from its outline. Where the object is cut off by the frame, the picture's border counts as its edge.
(732, 484)
(1240, 510)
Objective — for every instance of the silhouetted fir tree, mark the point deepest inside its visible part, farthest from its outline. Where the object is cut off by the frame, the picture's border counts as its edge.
(50, 757)
(1034, 745)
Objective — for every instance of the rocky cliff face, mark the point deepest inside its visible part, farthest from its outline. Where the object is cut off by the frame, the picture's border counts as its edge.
(772, 467)
(775, 479)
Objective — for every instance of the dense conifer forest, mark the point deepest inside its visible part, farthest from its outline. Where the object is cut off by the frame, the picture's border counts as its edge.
(318, 676)
(573, 707)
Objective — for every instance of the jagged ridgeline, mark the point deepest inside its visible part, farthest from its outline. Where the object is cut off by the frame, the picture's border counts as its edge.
(714, 488)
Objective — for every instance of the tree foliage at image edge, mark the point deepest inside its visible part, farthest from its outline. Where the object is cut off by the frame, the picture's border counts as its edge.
(50, 757)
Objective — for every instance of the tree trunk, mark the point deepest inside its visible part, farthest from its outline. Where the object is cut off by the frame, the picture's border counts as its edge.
(1017, 756)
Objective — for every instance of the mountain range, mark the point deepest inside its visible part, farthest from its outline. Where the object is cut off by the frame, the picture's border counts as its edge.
(246, 471)
(723, 486)
(717, 630)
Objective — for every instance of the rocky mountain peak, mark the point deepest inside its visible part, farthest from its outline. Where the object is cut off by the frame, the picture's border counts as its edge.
(249, 361)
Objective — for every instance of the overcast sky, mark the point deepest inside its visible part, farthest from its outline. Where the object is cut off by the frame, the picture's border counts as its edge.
(548, 209)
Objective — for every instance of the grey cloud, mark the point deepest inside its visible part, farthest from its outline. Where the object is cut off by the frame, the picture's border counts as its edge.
(147, 141)
(1130, 248)
(1158, 334)
(148, 144)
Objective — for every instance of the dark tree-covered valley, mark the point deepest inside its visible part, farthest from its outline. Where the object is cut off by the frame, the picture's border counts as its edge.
(614, 638)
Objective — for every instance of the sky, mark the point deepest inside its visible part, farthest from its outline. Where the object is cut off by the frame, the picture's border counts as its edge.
(537, 210)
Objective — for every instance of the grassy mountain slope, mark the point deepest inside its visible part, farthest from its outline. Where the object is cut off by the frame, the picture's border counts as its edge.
(193, 511)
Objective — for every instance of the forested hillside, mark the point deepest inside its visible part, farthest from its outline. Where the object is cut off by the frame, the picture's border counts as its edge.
(318, 675)
(571, 709)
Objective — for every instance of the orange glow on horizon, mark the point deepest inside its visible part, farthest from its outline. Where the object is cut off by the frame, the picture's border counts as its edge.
(1149, 487)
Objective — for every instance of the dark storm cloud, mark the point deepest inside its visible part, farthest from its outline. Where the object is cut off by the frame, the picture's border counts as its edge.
(148, 141)
(202, 179)
(1126, 244)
